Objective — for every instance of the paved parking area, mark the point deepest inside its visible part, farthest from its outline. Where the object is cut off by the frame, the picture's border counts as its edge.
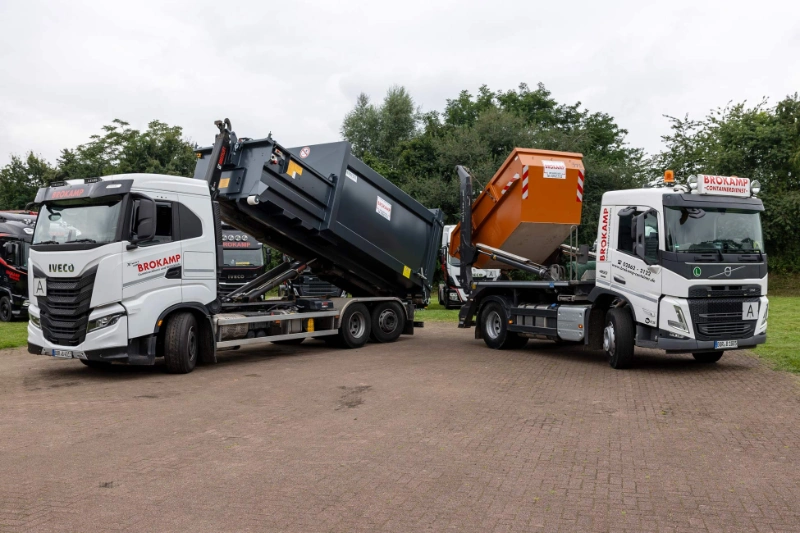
(433, 433)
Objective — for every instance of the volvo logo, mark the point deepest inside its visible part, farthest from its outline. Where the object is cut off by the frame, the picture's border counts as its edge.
(63, 267)
(727, 272)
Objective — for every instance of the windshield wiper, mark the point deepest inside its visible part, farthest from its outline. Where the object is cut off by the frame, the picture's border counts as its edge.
(92, 241)
(47, 242)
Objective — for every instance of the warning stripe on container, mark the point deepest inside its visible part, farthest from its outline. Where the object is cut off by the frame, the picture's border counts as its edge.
(580, 187)
(509, 184)
(524, 182)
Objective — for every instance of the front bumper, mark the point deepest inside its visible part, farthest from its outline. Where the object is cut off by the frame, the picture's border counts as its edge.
(108, 345)
(693, 345)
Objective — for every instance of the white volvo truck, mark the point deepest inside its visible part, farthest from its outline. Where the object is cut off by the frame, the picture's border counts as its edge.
(680, 268)
(124, 269)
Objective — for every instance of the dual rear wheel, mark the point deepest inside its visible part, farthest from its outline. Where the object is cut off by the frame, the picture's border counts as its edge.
(385, 323)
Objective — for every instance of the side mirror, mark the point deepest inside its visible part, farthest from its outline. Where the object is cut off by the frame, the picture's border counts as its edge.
(10, 251)
(145, 225)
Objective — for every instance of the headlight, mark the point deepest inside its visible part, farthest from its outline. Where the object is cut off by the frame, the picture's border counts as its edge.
(103, 322)
(35, 321)
(26, 303)
(681, 323)
(766, 315)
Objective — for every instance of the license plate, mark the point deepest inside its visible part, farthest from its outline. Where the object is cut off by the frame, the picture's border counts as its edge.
(62, 354)
(726, 344)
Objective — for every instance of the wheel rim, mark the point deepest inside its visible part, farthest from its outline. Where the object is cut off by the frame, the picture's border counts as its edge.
(357, 325)
(387, 321)
(609, 339)
(494, 324)
(192, 344)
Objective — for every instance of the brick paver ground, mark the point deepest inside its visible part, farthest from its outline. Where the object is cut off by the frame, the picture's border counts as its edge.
(433, 433)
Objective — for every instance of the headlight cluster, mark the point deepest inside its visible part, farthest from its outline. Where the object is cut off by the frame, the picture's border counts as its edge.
(35, 321)
(681, 323)
(103, 322)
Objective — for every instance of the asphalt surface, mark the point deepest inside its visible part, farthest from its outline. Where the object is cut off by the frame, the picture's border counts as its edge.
(433, 433)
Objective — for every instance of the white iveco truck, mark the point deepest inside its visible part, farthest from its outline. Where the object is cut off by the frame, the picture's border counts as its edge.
(124, 269)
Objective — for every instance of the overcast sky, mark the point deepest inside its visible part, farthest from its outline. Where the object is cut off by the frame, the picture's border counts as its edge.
(295, 68)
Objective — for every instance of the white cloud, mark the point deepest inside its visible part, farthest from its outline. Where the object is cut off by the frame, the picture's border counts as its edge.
(295, 68)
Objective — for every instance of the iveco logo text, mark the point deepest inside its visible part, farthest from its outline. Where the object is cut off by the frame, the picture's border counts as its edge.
(64, 267)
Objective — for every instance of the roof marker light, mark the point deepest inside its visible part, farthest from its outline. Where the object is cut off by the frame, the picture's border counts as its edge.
(692, 181)
(755, 187)
(669, 176)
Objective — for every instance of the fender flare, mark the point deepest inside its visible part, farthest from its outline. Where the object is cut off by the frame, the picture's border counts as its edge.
(497, 298)
(209, 345)
(597, 292)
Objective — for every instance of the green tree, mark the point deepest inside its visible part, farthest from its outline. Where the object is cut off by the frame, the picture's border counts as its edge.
(160, 149)
(21, 178)
(760, 142)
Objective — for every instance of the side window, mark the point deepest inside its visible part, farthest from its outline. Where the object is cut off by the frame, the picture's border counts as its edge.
(651, 236)
(624, 239)
(191, 226)
(163, 223)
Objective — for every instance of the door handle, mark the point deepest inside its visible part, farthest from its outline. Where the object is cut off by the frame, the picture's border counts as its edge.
(619, 280)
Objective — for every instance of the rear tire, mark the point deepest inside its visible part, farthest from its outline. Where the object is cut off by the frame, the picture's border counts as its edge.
(708, 358)
(355, 327)
(5, 310)
(388, 322)
(181, 343)
(494, 322)
(102, 365)
(618, 338)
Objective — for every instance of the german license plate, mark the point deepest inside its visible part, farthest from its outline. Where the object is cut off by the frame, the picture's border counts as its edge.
(718, 345)
(63, 354)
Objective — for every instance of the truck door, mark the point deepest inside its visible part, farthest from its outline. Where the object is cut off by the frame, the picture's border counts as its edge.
(151, 279)
(638, 279)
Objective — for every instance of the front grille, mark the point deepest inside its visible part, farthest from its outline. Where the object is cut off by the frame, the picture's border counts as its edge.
(65, 310)
(727, 331)
(720, 318)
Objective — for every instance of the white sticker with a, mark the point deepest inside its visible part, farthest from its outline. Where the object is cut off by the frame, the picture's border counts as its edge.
(39, 287)
(384, 208)
(555, 169)
(351, 175)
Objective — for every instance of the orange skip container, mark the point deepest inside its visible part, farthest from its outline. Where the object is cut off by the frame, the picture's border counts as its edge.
(528, 207)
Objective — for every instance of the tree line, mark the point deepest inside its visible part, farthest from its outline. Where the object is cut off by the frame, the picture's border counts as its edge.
(418, 151)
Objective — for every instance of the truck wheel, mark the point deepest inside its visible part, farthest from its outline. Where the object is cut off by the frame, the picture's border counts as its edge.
(388, 322)
(707, 357)
(355, 327)
(181, 343)
(494, 322)
(618, 338)
(96, 364)
(5, 310)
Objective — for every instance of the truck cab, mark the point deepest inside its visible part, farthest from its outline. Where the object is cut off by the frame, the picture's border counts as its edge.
(16, 231)
(689, 264)
(243, 259)
(451, 290)
(111, 257)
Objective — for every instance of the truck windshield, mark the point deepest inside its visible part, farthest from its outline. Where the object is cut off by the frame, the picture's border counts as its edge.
(84, 223)
(243, 258)
(712, 230)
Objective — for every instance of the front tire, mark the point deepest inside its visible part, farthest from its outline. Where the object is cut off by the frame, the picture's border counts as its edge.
(5, 310)
(388, 322)
(181, 343)
(708, 358)
(355, 327)
(618, 338)
(494, 321)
